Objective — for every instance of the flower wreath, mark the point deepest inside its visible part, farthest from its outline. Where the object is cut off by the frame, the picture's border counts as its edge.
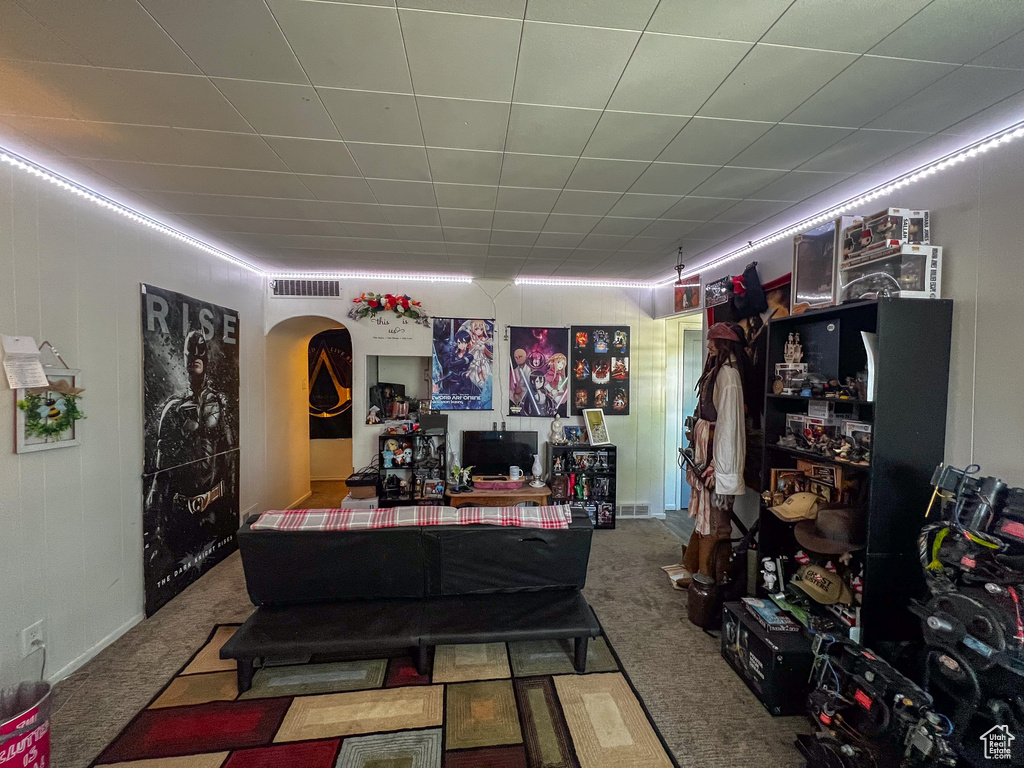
(39, 419)
(372, 304)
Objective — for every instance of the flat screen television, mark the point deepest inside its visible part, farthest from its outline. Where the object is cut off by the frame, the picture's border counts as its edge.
(492, 453)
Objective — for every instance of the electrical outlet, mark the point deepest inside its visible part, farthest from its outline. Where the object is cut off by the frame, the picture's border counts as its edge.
(33, 638)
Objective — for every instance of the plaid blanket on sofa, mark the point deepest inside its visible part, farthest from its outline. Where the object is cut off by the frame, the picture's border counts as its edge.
(556, 516)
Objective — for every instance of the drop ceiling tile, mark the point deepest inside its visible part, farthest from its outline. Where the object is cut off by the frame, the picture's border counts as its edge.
(669, 229)
(513, 237)
(465, 196)
(588, 61)
(649, 244)
(117, 33)
(716, 230)
(510, 9)
(229, 38)
(699, 208)
(643, 206)
(787, 146)
(467, 253)
(611, 225)
(412, 215)
(425, 247)
(737, 182)
(463, 235)
(854, 99)
(587, 258)
(1009, 53)
(632, 136)
(391, 192)
(280, 109)
(672, 178)
(654, 80)
(388, 161)
(346, 46)
(547, 253)
(354, 212)
(383, 231)
(569, 224)
(22, 36)
(957, 96)
(477, 59)
(215, 181)
(862, 149)
(735, 20)
(264, 207)
(314, 155)
(713, 141)
(463, 124)
(946, 30)
(464, 166)
(377, 118)
(526, 199)
(753, 211)
(341, 189)
(799, 185)
(838, 26)
(521, 220)
(535, 129)
(605, 175)
(605, 242)
(267, 226)
(771, 82)
(408, 232)
(613, 14)
(462, 217)
(535, 170)
(183, 146)
(560, 240)
(587, 203)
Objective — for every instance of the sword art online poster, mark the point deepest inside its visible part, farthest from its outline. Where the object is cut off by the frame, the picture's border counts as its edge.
(462, 364)
(538, 372)
(191, 473)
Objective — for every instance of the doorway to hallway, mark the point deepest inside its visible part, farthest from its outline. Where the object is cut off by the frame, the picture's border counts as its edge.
(684, 361)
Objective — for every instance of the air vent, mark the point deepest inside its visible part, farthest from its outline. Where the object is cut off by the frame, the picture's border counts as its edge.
(302, 288)
(634, 510)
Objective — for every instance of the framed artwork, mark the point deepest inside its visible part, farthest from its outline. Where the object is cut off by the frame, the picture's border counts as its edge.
(718, 291)
(597, 430)
(538, 372)
(47, 408)
(462, 364)
(688, 294)
(600, 369)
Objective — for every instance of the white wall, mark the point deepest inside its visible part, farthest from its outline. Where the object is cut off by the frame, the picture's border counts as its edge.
(975, 208)
(640, 436)
(71, 518)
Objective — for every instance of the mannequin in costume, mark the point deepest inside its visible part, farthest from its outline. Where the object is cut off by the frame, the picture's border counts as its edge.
(719, 442)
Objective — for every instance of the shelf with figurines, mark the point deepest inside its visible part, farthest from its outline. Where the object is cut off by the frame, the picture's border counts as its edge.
(585, 475)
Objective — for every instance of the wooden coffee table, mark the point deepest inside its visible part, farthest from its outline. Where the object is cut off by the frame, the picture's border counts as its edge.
(478, 497)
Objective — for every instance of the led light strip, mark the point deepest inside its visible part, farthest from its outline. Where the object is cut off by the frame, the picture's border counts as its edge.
(563, 282)
(35, 169)
(1004, 136)
(411, 278)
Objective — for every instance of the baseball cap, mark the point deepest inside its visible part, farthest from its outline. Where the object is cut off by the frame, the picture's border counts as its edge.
(822, 585)
(799, 506)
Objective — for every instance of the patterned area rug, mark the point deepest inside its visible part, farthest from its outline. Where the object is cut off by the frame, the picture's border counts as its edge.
(496, 705)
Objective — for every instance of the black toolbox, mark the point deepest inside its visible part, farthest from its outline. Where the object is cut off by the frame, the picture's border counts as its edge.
(774, 665)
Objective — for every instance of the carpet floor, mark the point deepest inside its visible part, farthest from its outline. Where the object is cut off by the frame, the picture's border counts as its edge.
(707, 716)
(494, 705)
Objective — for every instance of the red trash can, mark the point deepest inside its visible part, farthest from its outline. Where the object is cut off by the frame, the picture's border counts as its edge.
(25, 726)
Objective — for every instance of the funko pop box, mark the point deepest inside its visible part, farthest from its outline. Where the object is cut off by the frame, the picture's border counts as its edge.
(884, 230)
(914, 270)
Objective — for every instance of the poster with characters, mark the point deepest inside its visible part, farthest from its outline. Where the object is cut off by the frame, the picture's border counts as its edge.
(191, 455)
(330, 385)
(599, 371)
(538, 372)
(462, 364)
(687, 294)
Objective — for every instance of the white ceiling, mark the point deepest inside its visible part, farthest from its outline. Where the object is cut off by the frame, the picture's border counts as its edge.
(495, 137)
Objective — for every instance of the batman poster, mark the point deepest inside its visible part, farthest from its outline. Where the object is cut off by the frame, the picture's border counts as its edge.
(191, 453)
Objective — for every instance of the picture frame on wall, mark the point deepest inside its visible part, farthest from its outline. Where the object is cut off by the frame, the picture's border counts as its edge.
(597, 430)
(688, 294)
(26, 443)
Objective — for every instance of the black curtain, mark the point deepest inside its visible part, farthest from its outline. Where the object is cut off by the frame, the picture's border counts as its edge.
(330, 385)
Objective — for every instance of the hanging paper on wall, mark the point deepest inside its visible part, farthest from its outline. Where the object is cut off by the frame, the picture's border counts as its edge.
(538, 372)
(600, 367)
(463, 355)
(191, 457)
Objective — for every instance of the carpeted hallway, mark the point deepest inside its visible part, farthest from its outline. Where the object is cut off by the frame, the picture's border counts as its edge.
(706, 714)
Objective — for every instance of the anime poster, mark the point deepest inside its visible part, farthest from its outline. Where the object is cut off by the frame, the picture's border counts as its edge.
(191, 456)
(538, 372)
(462, 369)
(599, 373)
(330, 385)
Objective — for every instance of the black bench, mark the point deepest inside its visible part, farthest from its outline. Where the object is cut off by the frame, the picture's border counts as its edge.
(389, 626)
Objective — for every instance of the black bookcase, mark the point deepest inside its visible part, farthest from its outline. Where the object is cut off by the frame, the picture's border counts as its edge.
(584, 475)
(908, 418)
(406, 480)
